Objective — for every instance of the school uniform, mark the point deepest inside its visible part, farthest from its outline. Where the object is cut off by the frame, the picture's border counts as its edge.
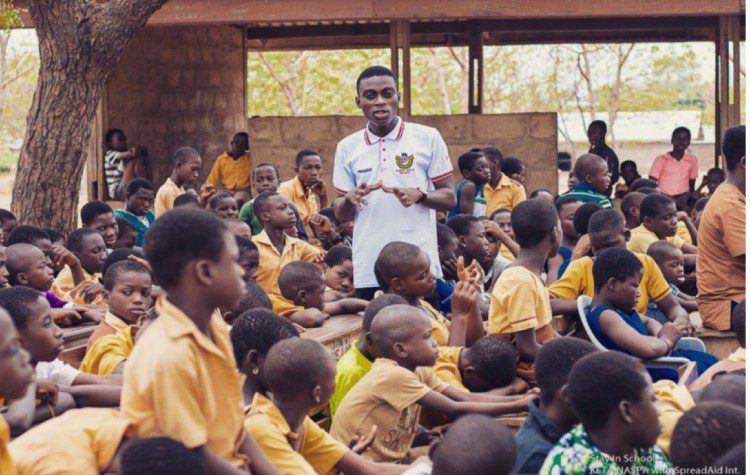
(165, 196)
(6, 462)
(64, 282)
(109, 325)
(283, 306)
(641, 238)
(106, 354)
(307, 202)
(234, 175)
(506, 195)
(410, 156)
(352, 367)
(271, 261)
(447, 366)
(672, 401)
(439, 325)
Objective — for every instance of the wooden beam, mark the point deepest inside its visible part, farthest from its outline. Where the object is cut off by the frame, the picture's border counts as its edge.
(727, 78)
(476, 67)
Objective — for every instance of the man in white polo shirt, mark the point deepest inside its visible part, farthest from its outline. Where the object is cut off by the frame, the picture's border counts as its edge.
(392, 175)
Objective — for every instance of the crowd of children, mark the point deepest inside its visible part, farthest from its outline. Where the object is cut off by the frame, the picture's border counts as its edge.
(200, 298)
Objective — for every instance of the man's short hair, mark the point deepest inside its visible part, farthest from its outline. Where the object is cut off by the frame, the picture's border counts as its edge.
(259, 329)
(717, 173)
(76, 238)
(654, 204)
(681, 129)
(118, 255)
(599, 123)
(337, 255)
(329, 213)
(565, 200)
(733, 146)
(494, 359)
(738, 322)
(535, 194)
(395, 260)
(643, 183)
(461, 223)
(92, 210)
(705, 433)
(633, 198)
(138, 184)
(466, 160)
(308, 152)
(512, 166)
(379, 303)
(615, 263)
(184, 155)
(583, 215)
(628, 163)
(16, 301)
(260, 203)
(160, 455)
(475, 444)
(598, 382)
(726, 387)
(444, 234)
(119, 268)
(532, 221)
(660, 251)
(298, 275)
(185, 199)
(180, 236)
(296, 365)
(111, 133)
(604, 220)
(375, 71)
(25, 234)
(493, 154)
(554, 361)
(587, 164)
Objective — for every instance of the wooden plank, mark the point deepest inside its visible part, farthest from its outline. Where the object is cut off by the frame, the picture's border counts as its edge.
(337, 333)
(721, 344)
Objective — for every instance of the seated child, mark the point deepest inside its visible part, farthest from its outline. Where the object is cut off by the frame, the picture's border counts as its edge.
(187, 349)
(266, 180)
(659, 220)
(254, 297)
(224, 205)
(705, 433)
(501, 191)
(392, 393)
(329, 230)
(631, 209)
(231, 170)
(581, 224)
(472, 246)
(160, 455)
(733, 362)
(139, 196)
(90, 252)
(239, 228)
(711, 180)
(302, 287)
(515, 169)
(275, 248)
(123, 164)
(672, 265)
(613, 397)
(508, 249)
(520, 307)
(358, 359)
(306, 190)
(56, 238)
(593, 180)
(447, 247)
(8, 223)
(697, 212)
(299, 373)
(127, 290)
(339, 273)
(127, 235)
(566, 210)
(543, 194)
(629, 173)
(109, 353)
(37, 237)
(493, 264)
(189, 200)
(617, 276)
(97, 215)
(186, 169)
(249, 258)
(551, 414)
(3, 269)
(470, 191)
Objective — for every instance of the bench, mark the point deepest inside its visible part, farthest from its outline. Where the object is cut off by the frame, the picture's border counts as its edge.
(337, 333)
(74, 340)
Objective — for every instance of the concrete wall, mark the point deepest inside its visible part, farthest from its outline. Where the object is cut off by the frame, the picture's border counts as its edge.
(531, 137)
(179, 86)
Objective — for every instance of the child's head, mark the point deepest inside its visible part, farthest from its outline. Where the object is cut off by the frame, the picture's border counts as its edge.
(373, 308)
(28, 266)
(403, 268)
(474, 167)
(55, 236)
(192, 251)
(543, 194)
(188, 200)
(514, 168)
(224, 205)
(114, 139)
(640, 184)
(733, 149)
(631, 206)
(659, 215)
(738, 322)
(300, 370)
(535, 223)
(274, 211)
(127, 290)
(617, 275)
(238, 228)
(240, 144)
(88, 247)
(331, 215)
(8, 222)
(705, 433)
(3, 268)
(187, 163)
(681, 139)
(32, 316)
(490, 364)
(697, 212)
(572, 181)
(472, 240)
(338, 268)
(127, 235)
(161, 455)
(309, 166)
(98, 216)
(139, 196)
(566, 210)
(725, 387)
(592, 170)
(502, 218)
(714, 178)
(612, 393)
(253, 335)
(606, 230)
(494, 159)
(582, 216)
(629, 171)
(119, 255)
(254, 297)
(249, 258)
(31, 235)
(475, 444)
(596, 132)
(302, 283)
(265, 178)
(448, 246)
(551, 369)
(17, 373)
(403, 333)
(670, 261)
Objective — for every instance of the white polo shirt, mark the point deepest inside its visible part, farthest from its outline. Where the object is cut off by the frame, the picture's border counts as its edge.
(411, 156)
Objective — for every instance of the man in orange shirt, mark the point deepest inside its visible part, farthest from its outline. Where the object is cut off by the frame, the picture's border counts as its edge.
(720, 266)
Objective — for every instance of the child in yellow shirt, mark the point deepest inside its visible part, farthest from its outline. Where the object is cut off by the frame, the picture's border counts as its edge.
(224, 205)
(186, 169)
(488, 365)
(659, 219)
(90, 251)
(231, 170)
(306, 191)
(249, 258)
(110, 352)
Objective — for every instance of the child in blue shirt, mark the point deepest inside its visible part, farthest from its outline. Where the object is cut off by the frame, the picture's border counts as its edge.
(470, 191)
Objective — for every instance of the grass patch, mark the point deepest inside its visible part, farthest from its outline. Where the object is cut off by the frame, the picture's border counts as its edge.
(8, 158)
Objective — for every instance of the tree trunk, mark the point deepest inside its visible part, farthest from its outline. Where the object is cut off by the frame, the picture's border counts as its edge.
(80, 42)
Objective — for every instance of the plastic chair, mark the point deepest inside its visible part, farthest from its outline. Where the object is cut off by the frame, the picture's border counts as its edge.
(668, 362)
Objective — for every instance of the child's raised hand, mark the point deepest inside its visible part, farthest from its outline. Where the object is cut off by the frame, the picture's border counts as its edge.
(61, 255)
(87, 290)
(464, 298)
(472, 274)
(491, 228)
(450, 267)
(360, 444)
(321, 223)
(141, 261)
(682, 216)
(319, 188)
(318, 259)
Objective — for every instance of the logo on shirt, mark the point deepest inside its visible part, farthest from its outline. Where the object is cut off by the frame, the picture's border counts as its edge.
(404, 161)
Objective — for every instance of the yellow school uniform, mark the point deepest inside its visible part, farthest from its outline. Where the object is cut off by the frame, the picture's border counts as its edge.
(505, 252)
(672, 401)
(109, 351)
(447, 366)
(271, 262)
(352, 367)
(6, 462)
(110, 325)
(307, 204)
(182, 384)
(64, 283)
(386, 397)
(439, 324)
(684, 233)
(283, 306)
(519, 302)
(81, 441)
(641, 238)
(579, 280)
(318, 451)
(506, 195)
(234, 175)
(164, 200)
